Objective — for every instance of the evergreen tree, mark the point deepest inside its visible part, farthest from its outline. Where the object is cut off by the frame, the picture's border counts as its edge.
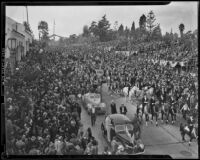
(142, 22)
(86, 31)
(133, 27)
(121, 30)
(181, 29)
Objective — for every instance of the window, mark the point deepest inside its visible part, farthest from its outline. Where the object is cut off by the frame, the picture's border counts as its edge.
(120, 128)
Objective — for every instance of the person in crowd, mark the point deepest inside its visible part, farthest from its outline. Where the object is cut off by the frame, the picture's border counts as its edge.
(156, 113)
(93, 115)
(123, 109)
(190, 123)
(114, 145)
(144, 103)
(182, 131)
(113, 107)
(171, 109)
(163, 106)
(106, 151)
(88, 134)
(152, 107)
(121, 150)
(184, 110)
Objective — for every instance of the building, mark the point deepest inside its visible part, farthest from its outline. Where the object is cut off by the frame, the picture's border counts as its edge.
(55, 40)
(23, 38)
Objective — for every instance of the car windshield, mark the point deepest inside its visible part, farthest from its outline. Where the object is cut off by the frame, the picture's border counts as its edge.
(120, 128)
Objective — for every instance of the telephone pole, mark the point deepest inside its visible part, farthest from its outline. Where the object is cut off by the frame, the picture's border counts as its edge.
(27, 14)
(54, 29)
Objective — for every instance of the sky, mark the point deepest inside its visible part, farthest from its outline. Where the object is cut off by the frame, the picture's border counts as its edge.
(71, 19)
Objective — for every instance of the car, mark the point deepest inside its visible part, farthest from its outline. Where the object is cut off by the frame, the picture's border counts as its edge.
(94, 99)
(121, 127)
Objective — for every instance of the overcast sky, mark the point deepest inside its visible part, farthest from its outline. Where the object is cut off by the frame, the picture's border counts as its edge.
(71, 19)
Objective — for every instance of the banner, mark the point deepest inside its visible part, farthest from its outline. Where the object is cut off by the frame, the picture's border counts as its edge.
(126, 53)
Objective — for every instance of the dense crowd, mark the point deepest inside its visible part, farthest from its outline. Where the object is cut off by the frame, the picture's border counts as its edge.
(170, 84)
(42, 116)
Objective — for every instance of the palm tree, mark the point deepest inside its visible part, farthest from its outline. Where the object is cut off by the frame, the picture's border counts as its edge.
(181, 28)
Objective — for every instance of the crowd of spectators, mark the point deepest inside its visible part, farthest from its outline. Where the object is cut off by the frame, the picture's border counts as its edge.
(167, 81)
(43, 118)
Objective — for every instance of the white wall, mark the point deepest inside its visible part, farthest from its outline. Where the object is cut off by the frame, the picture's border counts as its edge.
(10, 25)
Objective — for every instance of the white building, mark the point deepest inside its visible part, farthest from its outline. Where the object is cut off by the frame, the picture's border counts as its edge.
(23, 38)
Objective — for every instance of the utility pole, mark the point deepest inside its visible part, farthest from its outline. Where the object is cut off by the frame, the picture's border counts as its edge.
(27, 14)
(54, 29)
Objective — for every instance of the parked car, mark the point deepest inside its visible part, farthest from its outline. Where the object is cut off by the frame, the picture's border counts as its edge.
(117, 125)
(94, 99)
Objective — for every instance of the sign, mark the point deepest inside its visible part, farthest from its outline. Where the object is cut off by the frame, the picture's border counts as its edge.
(99, 72)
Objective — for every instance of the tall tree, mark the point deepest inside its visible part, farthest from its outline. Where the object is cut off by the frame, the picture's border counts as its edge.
(121, 30)
(93, 28)
(115, 26)
(150, 22)
(156, 34)
(43, 30)
(127, 32)
(103, 27)
(86, 31)
(181, 29)
(167, 38)
(133, 27)
(142, 22)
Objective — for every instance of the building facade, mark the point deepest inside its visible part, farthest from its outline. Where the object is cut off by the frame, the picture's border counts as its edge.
(23, 38)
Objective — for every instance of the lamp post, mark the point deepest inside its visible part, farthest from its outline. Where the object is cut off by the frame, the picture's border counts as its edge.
(12, 44)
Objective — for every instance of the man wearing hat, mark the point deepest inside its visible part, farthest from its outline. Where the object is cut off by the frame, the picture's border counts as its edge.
(113, 107)
(123, 109)
(93, 115)
(144, 103)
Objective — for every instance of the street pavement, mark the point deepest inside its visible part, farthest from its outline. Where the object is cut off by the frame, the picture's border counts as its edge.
(164, 139)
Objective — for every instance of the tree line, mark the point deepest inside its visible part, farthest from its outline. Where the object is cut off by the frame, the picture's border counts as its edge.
(101, 31)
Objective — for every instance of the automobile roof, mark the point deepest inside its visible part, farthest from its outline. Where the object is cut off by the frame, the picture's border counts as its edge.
(119, 119)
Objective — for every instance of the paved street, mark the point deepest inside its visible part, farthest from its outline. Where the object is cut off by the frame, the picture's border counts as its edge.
(165, 139)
